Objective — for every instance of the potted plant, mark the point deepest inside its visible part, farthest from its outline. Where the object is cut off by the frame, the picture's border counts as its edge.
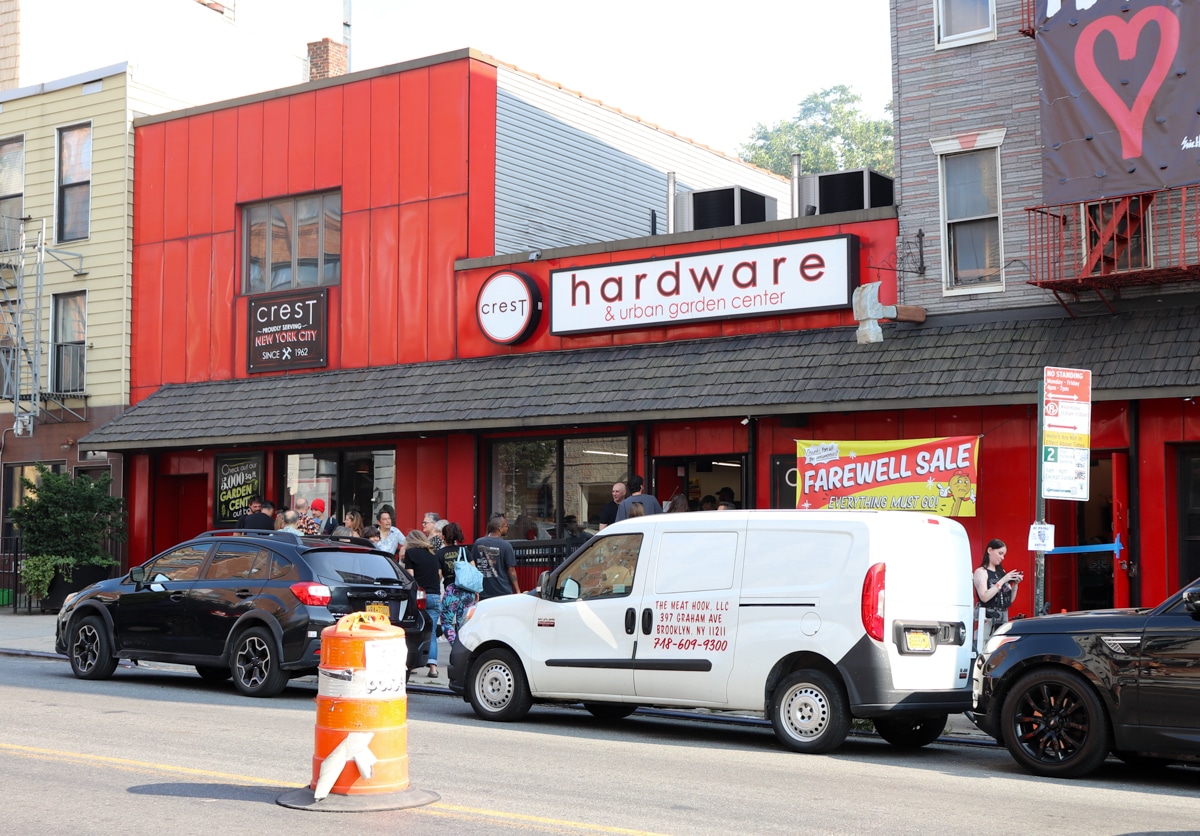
(65, 523)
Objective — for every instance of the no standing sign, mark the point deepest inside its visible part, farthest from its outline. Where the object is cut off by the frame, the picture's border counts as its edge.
(1066, 433)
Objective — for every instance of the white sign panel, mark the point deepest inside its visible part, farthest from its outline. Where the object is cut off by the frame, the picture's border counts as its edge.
(1041, 537)
(509, 307)
(1066, 433)
(755, 281)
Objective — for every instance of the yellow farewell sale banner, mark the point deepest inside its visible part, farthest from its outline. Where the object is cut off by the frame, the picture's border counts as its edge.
(934, 475)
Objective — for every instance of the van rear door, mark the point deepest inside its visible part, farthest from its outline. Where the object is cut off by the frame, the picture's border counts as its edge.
(928, 597)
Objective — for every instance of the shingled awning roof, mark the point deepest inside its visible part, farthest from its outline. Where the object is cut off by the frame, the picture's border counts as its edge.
(1149, 348)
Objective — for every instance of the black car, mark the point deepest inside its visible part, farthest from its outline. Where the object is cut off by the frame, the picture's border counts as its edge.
(250, 606)
(1063, 691)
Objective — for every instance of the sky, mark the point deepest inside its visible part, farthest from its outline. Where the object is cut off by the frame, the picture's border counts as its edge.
(709, 72)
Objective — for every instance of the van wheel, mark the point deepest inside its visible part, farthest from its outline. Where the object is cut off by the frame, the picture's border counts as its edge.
(910, 732)
(90, 649)
(810, 713)
(497, 687)
(610, 711)
(1054, 724)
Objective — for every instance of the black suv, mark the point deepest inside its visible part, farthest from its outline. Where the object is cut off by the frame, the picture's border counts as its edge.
(248, 605)
(1063, 691)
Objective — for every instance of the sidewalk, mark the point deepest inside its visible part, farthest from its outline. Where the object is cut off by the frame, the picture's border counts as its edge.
(33, 635)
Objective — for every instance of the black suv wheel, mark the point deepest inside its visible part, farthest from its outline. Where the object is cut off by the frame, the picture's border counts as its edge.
(255, 665)
(90, 649)
(1054, 724)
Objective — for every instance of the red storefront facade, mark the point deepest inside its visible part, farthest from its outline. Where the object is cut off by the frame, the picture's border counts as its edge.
(409, 154)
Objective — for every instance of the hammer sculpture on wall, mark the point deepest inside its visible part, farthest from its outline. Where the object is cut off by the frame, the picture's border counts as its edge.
(868, 311)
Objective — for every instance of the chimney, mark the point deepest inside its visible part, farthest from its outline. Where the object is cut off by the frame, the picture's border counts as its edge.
(326, 59)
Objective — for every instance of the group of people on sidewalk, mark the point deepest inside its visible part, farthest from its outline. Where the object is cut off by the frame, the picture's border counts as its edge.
(430, 553)
(435, 553)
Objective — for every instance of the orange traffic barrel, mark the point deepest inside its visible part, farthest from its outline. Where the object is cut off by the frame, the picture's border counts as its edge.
(360, 754)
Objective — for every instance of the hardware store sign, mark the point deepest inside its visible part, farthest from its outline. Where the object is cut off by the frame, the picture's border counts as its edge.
(771, 280)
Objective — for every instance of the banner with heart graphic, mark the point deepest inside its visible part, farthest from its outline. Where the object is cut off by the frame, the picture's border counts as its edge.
(1118, 107)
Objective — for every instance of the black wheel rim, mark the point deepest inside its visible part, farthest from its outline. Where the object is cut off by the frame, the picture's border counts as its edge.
(253, 662)
(86, 649)
(1052, 722)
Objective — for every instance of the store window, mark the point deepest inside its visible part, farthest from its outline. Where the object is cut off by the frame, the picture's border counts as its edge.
(972, 245)
(362, 480)
(293, 243)
(554, 489)
(70, 336)
(74, 183)
(14, 494)
(12, 188)
(962, 22)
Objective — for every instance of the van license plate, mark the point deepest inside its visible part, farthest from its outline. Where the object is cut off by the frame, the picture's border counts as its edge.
(384, 609)
(917, 640)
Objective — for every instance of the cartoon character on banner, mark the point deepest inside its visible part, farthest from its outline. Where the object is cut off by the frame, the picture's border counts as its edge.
(956, 490)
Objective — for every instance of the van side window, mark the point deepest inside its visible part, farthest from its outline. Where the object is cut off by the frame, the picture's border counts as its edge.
(604, 570)
(694, 561)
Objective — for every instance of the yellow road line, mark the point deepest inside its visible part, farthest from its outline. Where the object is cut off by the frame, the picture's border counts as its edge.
(156, 767)
(438, 808)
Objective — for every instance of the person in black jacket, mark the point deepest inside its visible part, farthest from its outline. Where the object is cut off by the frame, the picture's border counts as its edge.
(259, 518)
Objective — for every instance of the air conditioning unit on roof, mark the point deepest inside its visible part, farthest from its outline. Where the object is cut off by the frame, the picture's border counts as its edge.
(726, 206)
(845, 191)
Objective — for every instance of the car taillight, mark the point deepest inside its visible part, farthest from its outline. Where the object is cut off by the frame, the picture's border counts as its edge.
(420, 598)
(872, 601)
(312, 594)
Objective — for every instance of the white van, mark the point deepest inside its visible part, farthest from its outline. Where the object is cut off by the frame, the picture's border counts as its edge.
(812, 617)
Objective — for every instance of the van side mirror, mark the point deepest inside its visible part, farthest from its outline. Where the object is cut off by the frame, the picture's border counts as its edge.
(570, 590)
(541, 585)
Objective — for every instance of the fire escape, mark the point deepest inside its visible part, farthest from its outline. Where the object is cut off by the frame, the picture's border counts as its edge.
(23, 254)
(1102, 246)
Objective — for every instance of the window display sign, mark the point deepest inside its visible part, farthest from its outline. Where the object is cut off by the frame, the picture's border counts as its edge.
(237, 479)
(772, 280)
(288, 331)
(933, 475)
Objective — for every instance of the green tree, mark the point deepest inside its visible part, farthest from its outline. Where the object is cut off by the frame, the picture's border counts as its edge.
(830, 132)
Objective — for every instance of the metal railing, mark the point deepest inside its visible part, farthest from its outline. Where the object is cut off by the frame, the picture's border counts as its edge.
(1148, 239)
(537, 556)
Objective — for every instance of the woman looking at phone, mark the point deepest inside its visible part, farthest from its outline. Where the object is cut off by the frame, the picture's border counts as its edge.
(994, 587)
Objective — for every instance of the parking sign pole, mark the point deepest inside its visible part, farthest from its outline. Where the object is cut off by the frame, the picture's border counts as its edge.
(1039, 557)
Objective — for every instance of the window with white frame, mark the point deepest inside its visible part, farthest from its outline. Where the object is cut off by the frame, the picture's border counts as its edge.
(70, 333)
(74, 182)
(969, 181)
(293, 243)
(12, 188)
(964, 21)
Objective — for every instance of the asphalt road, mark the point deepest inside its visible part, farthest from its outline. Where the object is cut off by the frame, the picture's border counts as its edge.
(154, 751)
